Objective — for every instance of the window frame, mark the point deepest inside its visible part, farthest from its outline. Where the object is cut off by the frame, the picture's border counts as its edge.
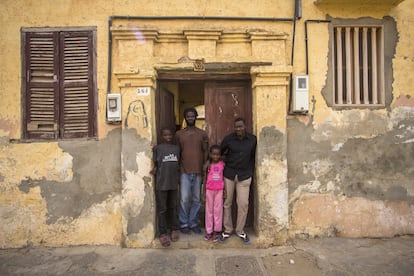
(362, 95)
(58, 64)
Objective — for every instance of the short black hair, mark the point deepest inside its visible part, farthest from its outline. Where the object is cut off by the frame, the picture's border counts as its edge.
(166, 128)
(213, 147)
(238, 119)
(190, 109)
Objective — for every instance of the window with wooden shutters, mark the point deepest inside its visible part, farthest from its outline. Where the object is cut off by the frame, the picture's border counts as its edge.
(358, 66)
(59, 92)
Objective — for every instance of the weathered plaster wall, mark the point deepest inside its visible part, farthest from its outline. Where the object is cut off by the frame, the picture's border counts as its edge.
(316, 174)
(60, 193)
(350, 171)
(271, 212)
(100, 191)
(138, 205)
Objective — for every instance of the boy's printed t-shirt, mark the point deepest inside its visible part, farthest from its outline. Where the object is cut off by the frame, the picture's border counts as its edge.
(167, 157)
(215, 179)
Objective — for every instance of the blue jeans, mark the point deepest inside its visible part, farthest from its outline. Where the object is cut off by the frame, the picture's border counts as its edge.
(190, 188)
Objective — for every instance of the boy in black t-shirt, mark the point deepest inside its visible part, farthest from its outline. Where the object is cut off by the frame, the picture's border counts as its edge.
(166, 169)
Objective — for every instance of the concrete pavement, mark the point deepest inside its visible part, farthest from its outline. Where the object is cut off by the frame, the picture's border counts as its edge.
(193, 256)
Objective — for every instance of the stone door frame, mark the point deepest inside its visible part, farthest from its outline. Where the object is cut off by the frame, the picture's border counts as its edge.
(206, 51)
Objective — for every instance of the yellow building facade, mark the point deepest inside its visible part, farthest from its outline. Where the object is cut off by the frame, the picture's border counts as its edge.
(333, 157)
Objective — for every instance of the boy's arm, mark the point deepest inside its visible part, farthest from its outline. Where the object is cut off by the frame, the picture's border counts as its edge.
(154, 162)
(154, 168)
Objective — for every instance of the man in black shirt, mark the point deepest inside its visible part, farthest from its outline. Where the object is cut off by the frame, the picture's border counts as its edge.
(238, 150)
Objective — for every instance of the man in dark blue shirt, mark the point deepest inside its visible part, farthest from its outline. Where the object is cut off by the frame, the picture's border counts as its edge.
(238, 150)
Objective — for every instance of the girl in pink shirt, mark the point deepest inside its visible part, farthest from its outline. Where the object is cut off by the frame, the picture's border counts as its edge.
(214, 195)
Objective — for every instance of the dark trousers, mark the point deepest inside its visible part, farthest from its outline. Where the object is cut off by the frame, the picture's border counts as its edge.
(167, 210)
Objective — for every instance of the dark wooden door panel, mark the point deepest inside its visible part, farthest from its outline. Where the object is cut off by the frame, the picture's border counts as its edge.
(224, 102)
(165, 112)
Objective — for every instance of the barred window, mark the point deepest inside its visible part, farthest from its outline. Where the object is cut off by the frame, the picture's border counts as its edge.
(358, 66)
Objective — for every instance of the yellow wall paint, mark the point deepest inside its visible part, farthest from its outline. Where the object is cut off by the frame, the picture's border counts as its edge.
(34, 161)
(403, 62)
(17, 14)
(48, 161)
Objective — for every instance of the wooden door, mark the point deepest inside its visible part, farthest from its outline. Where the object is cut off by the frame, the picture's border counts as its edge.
(164, 112)
(224, 102)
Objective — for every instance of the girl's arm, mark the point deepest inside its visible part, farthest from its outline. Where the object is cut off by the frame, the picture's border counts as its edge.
(205, 173)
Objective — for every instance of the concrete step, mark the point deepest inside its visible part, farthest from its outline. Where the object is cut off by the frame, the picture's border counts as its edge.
(188, 241)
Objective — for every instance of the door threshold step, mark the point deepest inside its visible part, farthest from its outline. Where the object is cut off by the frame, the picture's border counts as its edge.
(193, 240)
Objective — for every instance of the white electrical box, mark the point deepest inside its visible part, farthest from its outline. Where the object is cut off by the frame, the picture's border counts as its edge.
(300, 100)
(113, 107)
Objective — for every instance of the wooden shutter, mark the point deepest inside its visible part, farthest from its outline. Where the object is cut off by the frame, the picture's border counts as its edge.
(42, 89)
(59, 85)
(77, 101)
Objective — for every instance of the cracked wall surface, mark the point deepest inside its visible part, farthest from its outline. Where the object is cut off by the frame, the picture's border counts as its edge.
(61, 193)
(317, 174)
(350, 170)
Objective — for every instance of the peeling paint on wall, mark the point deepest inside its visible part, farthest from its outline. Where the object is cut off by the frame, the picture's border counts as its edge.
(53, 205)
(137, 222)
(374, 169)
(137, 190)
(70, 198)
(356, 161)
(330, 215)
(369, 167)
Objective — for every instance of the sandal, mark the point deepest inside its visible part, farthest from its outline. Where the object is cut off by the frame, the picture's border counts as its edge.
(175, 235)
(165, 241)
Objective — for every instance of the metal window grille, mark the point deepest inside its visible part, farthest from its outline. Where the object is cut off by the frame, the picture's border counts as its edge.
(358, 66)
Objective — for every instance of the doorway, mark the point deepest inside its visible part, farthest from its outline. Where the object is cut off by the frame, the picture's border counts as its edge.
(218, 103)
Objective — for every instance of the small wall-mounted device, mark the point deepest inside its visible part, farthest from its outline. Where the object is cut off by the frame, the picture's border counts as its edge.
(300, 95)
(113, 108)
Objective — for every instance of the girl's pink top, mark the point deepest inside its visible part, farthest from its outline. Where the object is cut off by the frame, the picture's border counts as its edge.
(215, 180)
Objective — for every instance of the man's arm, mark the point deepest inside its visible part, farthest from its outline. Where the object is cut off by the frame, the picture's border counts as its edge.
(253, 153)
(205, 147)
(224, 148)
(176, 139)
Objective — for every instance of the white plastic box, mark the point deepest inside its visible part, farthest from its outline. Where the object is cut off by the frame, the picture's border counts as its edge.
(113, 107)
(300, 100)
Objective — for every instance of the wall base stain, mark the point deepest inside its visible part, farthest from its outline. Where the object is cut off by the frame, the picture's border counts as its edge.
(327, 214)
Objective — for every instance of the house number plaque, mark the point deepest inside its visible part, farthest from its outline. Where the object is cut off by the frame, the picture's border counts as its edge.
(143, 91)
